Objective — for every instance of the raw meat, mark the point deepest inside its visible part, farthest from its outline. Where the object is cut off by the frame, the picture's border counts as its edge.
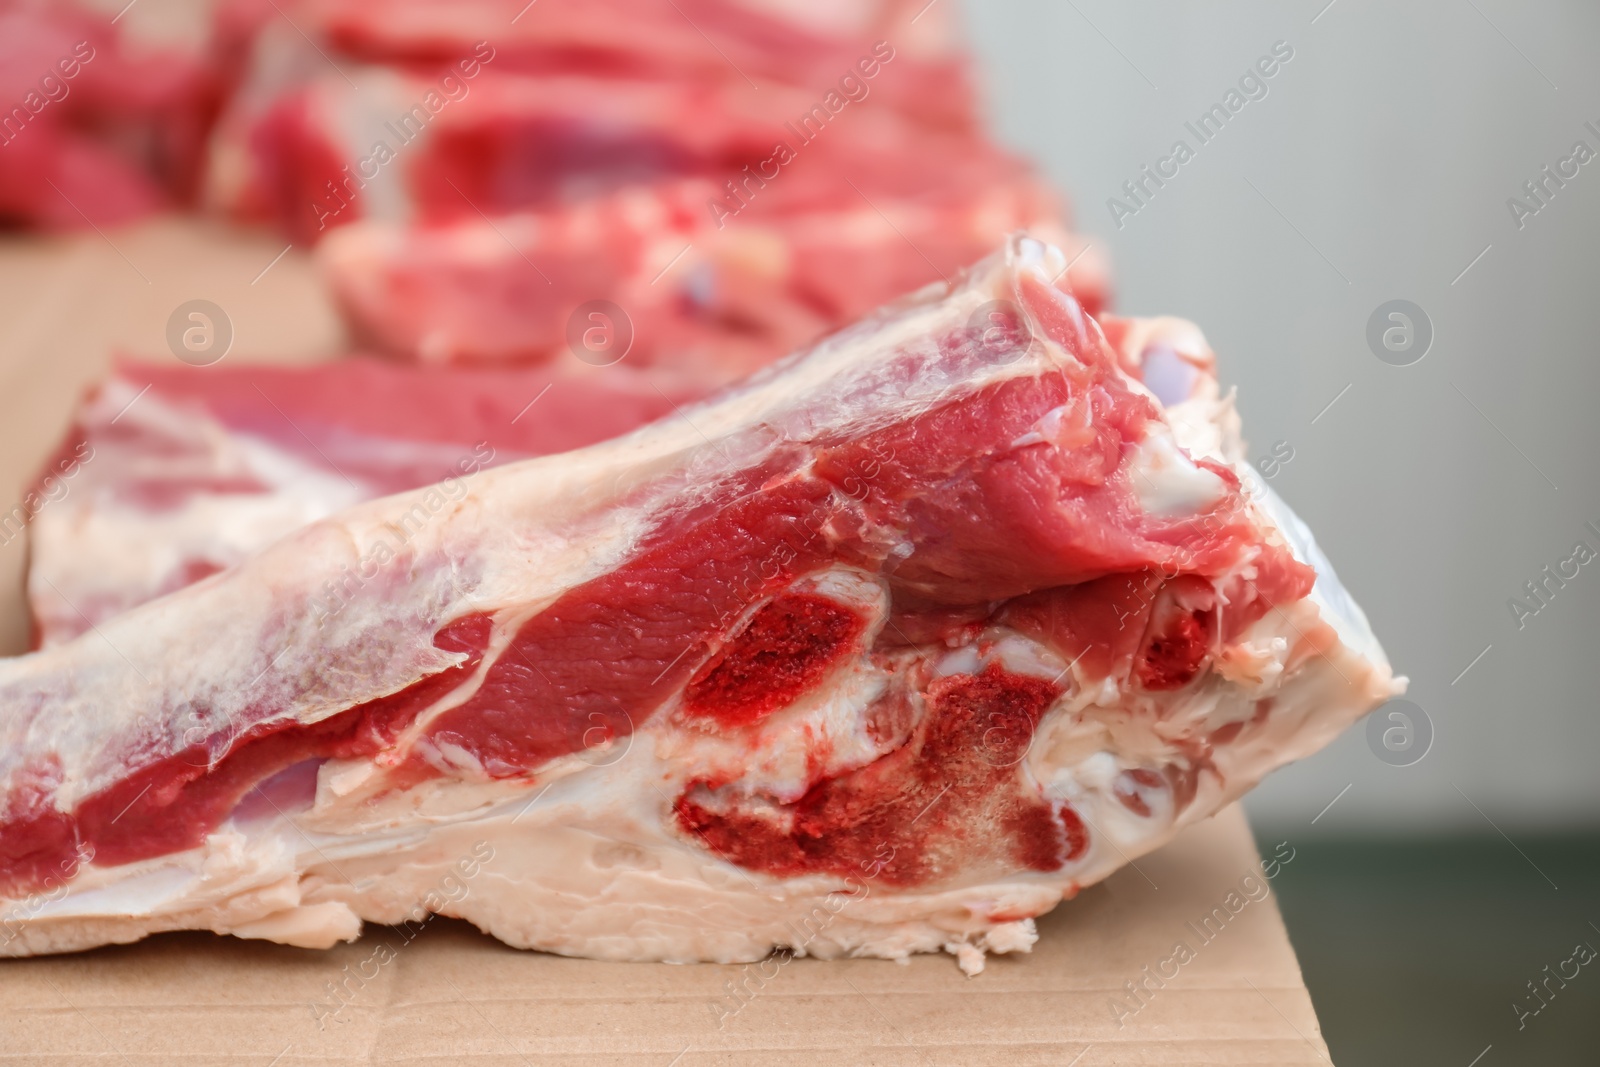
(751, 42)
(885, 651)
(778, 42)
(94, 128)
(715, 303)
(739, 178)
(171, 474)
(504, 140)
(480, 114)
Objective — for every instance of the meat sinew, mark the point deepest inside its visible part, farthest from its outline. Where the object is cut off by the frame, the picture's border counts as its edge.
(885, 651)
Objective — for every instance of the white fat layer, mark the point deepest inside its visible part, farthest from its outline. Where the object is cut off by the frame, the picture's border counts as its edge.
(546, 854)
(1168, 482)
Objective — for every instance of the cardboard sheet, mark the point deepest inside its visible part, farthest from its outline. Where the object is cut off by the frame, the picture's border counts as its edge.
(443, 993)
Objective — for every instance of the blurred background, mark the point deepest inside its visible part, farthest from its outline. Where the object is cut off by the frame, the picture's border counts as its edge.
(1344, 163)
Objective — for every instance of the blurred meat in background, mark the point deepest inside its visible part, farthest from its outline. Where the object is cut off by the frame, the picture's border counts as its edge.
(171, 474)
(738, 176)
(96, 129)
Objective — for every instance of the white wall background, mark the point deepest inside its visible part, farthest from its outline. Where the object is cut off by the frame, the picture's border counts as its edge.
(1381, 161)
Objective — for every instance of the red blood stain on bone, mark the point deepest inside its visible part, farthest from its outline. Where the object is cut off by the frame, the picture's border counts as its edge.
(940, 804)
(1130, 786)
(1174, 654)
(787, 647)
(1184, 781)
(1077, 833)
(1181, 635)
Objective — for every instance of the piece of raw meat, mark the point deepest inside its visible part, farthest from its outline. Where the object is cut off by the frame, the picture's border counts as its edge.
(773, 41)
(170, 474)
(471, 194)
(884, 651)
(365, 145)
(96, 128)
(569, 100)
(710, 302)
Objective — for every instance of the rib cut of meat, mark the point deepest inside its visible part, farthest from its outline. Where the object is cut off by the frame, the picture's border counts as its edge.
(171, 474)
(884, 651)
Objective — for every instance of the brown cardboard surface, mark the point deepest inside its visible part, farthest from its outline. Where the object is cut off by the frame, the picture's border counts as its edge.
(448, 994)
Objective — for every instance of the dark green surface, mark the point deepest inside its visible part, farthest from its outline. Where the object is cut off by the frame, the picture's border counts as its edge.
(1415, 950)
